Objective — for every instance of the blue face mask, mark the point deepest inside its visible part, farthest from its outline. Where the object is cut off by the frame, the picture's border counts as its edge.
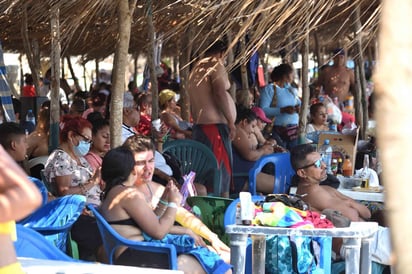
(82, 148)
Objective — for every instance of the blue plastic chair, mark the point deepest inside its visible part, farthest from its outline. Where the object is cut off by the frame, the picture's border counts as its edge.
(283, 172)
(230, 219)
(42, 187)
(31, 244)
(113, 240)
(197, 157)
(54, 220)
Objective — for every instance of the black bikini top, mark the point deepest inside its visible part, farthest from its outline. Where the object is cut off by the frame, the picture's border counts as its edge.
(129, 221)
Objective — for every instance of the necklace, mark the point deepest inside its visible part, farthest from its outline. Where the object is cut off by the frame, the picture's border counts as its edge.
(149, 200)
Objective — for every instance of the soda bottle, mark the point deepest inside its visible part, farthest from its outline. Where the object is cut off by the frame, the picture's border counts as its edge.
(347, 167)
(326, 152)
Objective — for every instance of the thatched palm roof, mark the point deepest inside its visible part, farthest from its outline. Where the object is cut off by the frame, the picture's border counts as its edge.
(89, 28)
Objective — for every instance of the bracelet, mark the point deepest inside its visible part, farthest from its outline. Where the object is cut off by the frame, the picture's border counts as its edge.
(163, 202)
(172, 205)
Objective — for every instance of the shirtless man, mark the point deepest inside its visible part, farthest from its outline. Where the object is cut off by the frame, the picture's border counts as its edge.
(213, 110)
(311, 171)
(337, 80)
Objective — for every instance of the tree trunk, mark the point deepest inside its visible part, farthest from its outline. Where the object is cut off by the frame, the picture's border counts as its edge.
(75, 79)
(55, 79)
(97, 72)
(151, 57)
(361, 108)
(185, 71)
(393, 100)
(305, 88)
(125, 12)
(32, 51)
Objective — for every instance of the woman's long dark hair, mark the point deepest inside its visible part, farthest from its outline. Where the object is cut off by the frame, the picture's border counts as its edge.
(117, 165)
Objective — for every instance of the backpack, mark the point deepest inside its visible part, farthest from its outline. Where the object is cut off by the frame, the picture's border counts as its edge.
(292, 254)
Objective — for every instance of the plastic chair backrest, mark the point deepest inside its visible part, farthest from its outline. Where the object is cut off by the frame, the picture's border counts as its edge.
(42, 187)
(283, 172)
(32, 244)
(212, 211)
(197, 157)
(112, 240)
(54, 219)
(230, 213)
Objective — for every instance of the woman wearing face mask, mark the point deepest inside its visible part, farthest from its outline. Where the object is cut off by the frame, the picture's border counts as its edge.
(66, 168)
(69, 173)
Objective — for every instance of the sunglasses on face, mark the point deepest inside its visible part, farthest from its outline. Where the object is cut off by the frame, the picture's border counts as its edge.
(317, 164)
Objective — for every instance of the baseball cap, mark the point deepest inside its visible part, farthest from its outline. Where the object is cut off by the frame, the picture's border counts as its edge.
(166, 95)
(261, 114)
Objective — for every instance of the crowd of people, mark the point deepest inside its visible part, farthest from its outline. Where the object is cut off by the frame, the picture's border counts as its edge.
(134, 185)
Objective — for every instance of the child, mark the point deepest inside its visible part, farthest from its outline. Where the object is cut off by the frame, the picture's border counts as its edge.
(318, 118)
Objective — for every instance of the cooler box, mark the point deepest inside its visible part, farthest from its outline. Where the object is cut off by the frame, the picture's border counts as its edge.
(342, 145)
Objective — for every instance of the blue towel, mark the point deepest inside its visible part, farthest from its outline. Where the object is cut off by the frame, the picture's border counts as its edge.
(210, 261)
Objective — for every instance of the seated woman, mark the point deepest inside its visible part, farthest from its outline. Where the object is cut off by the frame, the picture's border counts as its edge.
(155, 194)
(100, 142)
(179, 129)
(318, 118)
(246, 151)
(38, 141)
(68, 171)
(131, 214)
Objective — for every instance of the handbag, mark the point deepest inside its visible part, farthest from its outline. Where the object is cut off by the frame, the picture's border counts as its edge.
(289, 200)
(288, 133)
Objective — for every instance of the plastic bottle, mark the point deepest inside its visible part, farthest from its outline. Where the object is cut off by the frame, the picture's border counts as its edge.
(30, 117)
(326, 153)
(347, 167)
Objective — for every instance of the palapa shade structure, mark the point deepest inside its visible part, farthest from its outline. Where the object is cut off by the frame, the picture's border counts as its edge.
(89, 28)
(186, 28)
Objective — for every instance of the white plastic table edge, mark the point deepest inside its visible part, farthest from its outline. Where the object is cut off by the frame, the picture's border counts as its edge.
(356, 236)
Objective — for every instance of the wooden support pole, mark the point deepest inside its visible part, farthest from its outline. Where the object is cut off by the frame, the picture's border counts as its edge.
(361, 109)
(184, 60)
(125, 12)
(55, 78)
(151, 61)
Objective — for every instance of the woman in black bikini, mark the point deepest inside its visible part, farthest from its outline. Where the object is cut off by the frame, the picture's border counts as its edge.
(127, 210)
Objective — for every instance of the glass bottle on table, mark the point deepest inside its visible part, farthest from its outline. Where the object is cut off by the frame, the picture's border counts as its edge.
(347, 167)
(365, 171)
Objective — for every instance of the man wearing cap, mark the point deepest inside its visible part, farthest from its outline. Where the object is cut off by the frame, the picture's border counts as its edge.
(213, 110)
(337, 80)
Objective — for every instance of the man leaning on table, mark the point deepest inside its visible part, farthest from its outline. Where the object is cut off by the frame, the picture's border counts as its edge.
(311, 171)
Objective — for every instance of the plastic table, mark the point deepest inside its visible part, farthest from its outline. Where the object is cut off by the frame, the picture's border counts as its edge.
(356, 239)
(363, 196)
